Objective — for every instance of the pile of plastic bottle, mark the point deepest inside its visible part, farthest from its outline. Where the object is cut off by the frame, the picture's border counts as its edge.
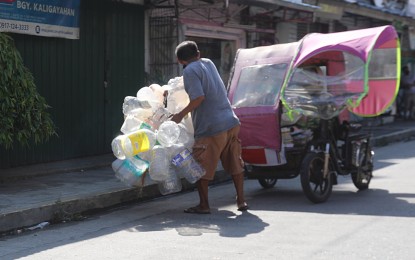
(151, 142)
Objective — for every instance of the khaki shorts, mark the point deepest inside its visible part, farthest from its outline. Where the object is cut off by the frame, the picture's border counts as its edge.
(226, 147)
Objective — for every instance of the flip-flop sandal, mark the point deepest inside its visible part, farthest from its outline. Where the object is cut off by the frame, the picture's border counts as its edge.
(197, 210)
(243, 207)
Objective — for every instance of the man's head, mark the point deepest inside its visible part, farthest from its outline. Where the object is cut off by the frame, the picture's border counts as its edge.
(187, 51)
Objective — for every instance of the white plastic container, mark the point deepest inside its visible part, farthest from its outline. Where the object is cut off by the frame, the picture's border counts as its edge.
(187, 166)
(170, 185)
(168, 133)
(130, 171)
(185, 137)
(132, 124)
(159, 116)
(132, 104)
(131, 144)
(159, 163)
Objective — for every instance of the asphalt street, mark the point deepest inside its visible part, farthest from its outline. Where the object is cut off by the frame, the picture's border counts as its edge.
(281, 223)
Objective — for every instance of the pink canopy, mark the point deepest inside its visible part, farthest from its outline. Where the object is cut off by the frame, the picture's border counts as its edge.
(359, 70)
(378, 48)
(358, 42)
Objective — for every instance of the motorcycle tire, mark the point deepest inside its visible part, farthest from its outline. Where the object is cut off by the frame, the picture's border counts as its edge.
(361, 178)
(316, 188)
(267, 183)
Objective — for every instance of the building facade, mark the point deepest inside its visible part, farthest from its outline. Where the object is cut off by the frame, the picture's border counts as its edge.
(125, 45)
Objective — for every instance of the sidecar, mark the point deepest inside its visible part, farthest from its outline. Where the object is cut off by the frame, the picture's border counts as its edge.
(295, 101)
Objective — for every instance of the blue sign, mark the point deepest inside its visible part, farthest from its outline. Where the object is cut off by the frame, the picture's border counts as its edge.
(51, 18)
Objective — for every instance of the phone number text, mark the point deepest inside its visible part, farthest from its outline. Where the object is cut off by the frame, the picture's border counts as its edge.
(14, 26)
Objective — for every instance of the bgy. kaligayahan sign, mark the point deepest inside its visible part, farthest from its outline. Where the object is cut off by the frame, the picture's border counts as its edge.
(50, 18)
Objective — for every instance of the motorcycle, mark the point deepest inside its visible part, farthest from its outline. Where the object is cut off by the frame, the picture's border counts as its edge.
(296, 103)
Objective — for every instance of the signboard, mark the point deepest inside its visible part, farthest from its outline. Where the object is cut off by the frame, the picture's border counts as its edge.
(50, 18)
(329, 11)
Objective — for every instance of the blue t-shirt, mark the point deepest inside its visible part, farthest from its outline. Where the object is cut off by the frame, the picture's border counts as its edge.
(215, 114)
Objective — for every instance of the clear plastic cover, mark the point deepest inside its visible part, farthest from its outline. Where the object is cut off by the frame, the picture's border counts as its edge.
(259, 85)
(314, 91)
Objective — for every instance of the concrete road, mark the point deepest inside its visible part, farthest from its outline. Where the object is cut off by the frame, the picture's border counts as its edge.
(281, 224)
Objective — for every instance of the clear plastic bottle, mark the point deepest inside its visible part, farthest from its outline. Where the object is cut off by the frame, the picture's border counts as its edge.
(185, 138)
(128, 145)
(131, 124)
(159, 116)
(168, 133)
(147, 94)
(158, 92)
(132, 104)
(172, 184)
(159, 163)
(130, 171)
(188, 166)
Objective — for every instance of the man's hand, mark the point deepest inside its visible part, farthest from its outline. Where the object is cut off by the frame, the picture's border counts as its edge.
(189, 108)
(177, 118)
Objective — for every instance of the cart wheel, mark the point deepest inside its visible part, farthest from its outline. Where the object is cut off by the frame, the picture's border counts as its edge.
(316, 188)
(362, 177)
(267, 183)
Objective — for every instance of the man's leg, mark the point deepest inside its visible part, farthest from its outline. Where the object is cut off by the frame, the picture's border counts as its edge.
(238, 181)
(206, 151)
(203, 207)
(203, 189)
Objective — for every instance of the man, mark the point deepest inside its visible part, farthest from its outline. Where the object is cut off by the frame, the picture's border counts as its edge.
(216, 126)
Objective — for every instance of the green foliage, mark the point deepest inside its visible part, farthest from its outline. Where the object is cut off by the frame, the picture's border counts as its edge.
(23, 112)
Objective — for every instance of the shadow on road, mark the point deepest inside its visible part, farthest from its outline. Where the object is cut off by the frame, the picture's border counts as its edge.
(223, 222)
(372, 202)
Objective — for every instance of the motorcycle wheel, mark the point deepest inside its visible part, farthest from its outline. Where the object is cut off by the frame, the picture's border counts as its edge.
(316, 188)
(362, 177)
(267, 183)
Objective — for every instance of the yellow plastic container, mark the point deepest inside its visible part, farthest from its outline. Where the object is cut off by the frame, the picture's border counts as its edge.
(133, 143)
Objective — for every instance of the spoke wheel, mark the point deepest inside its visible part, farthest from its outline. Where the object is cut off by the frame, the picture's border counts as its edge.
(316, 188)
(362, 177)
(267, 183)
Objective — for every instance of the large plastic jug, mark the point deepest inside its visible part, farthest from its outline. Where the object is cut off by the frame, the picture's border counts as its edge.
(159, 163)
(168, 133)
(188, 166)
(172, 184)
(131, 144)
(132, 105)
(130, 171)
(159, 116)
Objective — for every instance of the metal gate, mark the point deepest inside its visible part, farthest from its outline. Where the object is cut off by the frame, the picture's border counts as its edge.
(163, 41)
(84, 81)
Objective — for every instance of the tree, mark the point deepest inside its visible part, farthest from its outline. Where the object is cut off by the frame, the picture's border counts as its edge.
(23, 111)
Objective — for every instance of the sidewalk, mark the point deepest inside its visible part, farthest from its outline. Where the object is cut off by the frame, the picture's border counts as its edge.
(68, 190)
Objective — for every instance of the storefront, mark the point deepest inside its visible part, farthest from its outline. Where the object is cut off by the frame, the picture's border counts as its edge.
(216, 43)
(220, 28)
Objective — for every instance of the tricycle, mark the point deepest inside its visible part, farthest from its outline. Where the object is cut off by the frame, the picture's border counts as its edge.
(297, 103)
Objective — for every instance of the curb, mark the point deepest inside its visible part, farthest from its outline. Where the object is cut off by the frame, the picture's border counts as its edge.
(403, 135)
(77, 208)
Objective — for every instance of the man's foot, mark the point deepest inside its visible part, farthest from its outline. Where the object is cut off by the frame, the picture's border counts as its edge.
(197, 210)
(243, 206)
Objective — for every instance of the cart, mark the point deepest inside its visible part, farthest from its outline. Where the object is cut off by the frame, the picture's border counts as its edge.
(296, 103)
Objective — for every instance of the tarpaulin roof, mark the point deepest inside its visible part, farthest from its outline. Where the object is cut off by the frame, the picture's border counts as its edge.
(361, 72)
(363, 44)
